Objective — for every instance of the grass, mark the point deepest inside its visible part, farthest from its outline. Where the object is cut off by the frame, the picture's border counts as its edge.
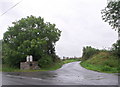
(51, 67)
(70, 60)
(0, 67)
(102, 62)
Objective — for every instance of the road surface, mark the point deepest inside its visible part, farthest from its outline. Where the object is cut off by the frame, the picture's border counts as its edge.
(69, 74)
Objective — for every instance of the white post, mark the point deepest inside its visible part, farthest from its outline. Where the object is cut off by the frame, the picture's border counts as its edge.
(119, 28)
(28, 58)
(31, 58)
(118, 35)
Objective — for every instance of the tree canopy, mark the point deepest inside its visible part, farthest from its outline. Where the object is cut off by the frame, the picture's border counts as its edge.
(30, 36)
(111, 14)
(88, 52)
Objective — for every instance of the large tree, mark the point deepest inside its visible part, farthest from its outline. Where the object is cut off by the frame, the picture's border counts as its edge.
(111, 14)
(29, 36)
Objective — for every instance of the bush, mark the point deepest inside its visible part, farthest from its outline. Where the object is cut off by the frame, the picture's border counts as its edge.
(45, 61)
(55, 58)
(103, 61)
(14, 59)
(88, 52)
(116, 48)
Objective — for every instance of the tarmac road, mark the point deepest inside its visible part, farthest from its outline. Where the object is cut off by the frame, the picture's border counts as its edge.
(69, 74)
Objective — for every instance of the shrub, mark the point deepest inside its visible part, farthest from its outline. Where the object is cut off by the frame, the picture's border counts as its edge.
(116, 48)
(88, 52)
(45, 61)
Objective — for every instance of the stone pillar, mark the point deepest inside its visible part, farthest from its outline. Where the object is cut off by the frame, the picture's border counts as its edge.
(29, 64)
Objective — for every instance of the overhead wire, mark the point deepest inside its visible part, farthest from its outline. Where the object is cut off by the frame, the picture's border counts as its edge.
(11, 8)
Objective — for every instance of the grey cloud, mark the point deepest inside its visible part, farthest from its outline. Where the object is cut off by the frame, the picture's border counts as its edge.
(79, 20)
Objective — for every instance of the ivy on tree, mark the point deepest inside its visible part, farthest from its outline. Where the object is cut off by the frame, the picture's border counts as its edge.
(30, 36)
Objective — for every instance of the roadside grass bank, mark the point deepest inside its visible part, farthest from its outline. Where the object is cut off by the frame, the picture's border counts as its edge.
(102, 62)
(51, 67)
(0, 67)
(58, 65)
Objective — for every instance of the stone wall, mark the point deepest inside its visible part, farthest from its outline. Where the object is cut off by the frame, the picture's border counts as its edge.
(29, 65)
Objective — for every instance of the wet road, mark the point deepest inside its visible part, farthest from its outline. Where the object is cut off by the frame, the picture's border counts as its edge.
(69, 74)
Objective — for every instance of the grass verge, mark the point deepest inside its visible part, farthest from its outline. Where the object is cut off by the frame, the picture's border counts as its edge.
(102, 62)
(51, 67)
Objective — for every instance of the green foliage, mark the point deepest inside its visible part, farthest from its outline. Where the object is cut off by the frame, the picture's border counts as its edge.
(111, 14)
(45, 61)
(29, 36)
(116, 48)
(103, 62)
(106, 68)
(88, 52)
(70, 60)
(55, 65)
(7, 68)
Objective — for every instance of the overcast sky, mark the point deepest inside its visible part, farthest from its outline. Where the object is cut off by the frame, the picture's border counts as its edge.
(79, 20)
